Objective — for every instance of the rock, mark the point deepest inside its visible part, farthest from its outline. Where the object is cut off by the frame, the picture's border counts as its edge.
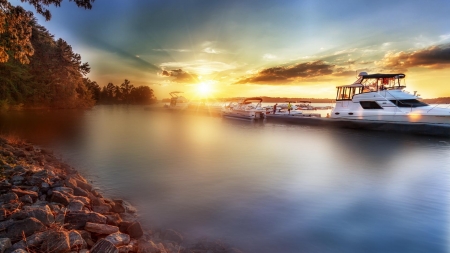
(77, 220)
(43, 214)
(86, 201)
(56, 242)
(172, 235)
(17, 180)
(76, 240)
(101, 228)
(118, 239)
(34, 240)
(75, 205)
(19, 251)
(123, 226)
(63, 190)
(58, 197)
(118, 206)
(101, 209)
(83, 185)
(86, 237)
(128, 217)
(135, 230)
(26, 199)
(28, 227)
(147, 247)
(114, 219)
(104, 246)
(8, 197)
(125, 249)
(6, 224)
(77, 191)
(5, 243)
(21, 193)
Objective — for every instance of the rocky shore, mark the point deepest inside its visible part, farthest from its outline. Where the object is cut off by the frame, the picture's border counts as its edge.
(47, 206)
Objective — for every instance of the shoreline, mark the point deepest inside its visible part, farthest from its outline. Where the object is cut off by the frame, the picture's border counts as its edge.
(48, 206)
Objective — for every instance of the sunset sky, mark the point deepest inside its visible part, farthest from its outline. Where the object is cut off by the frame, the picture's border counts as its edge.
(258, 48)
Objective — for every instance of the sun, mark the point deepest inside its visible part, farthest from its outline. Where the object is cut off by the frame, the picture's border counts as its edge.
(204, 89)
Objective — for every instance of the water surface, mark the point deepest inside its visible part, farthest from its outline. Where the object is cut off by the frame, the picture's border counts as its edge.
(259, 186)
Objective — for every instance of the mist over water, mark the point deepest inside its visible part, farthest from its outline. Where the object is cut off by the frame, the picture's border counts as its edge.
(262, 187)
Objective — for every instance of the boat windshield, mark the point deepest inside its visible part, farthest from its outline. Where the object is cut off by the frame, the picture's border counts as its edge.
(409, 103)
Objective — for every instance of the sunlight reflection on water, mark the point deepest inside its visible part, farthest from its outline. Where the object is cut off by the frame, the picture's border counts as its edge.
(265, 187)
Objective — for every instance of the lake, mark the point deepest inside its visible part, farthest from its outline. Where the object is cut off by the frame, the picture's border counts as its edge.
(262, 187)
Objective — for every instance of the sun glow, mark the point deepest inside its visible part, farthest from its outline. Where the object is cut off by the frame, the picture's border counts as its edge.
(204, 89)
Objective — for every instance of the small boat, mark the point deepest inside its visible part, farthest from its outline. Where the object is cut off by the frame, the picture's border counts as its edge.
(248, 109)
(305, 105)
(177, 102)
(382, 98)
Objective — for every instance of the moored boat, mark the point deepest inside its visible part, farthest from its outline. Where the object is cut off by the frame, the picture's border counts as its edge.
(248, 109)
(177, 102)
(382, 98)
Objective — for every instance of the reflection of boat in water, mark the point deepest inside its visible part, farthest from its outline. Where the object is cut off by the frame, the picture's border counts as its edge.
(382, 98)
(177, 102)
(249, 108)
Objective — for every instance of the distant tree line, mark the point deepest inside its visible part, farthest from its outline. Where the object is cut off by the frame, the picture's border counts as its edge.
(126, 93)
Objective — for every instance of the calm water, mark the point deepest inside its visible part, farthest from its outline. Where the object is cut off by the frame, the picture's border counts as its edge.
(259, 186)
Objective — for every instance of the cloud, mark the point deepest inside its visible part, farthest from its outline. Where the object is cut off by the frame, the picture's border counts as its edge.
(180, 75)
(269, 56)
(201, 67)
(172, 50)
(210, 50)
(286, 74)
(435, 57)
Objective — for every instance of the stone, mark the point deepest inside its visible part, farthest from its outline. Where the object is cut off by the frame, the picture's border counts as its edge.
(83, 185)
(19, 251)
(86, 201)
(8, 197)
(125, 249)
(63, 190)
(58, 197)
(5, 243)
(123, 226)
(101, 228)
(31, 241)
(113, 219)
(43, 214)
(118, 239)
(28, 227)
(147, 247)
(128, 217)
(75, 205)
(78, 219)
(21, 193)
(104, 246)
(118, 206)
(101, 209)
(26, 199)
(135, 230)
(77, 191)
(172, 235)
(76, 240)
(6, 224)
(56, 242)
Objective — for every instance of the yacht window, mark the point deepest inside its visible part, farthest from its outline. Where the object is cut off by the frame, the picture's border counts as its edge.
(408, 103)
(370, 105)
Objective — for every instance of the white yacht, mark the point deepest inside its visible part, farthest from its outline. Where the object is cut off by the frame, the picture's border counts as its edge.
(249, 109)
(177, 102)
(382, 98)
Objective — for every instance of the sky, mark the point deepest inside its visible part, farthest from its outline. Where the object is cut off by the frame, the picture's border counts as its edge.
(277, 48)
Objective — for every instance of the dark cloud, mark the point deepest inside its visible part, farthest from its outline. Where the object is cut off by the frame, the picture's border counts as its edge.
(180, 75)
(433, 57)
(290, 73)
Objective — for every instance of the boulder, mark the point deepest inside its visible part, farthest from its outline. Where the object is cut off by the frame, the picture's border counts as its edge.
(75, 205)
(19, 251)
(77, 191)
(8, 197)
(101, 208)
(58, 197)
(86, 201)
(5, 224)
(28, 227)
(76, 240)
(118, 206)
(56, 242)
(135, 230)
(78, 219)
(34, 240)
(104, 246)
(5, 243)
(123, 226)
(26, 199)
(43, 214)
(101, 228)
(113, 219)
(63, 190)
(21, 193)
(118, 239)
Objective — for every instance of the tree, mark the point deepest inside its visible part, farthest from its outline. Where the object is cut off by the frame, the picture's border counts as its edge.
(125, 90)
(16, 26)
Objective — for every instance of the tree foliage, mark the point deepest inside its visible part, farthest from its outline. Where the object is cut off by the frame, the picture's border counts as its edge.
(16, 26)
(126, 93)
